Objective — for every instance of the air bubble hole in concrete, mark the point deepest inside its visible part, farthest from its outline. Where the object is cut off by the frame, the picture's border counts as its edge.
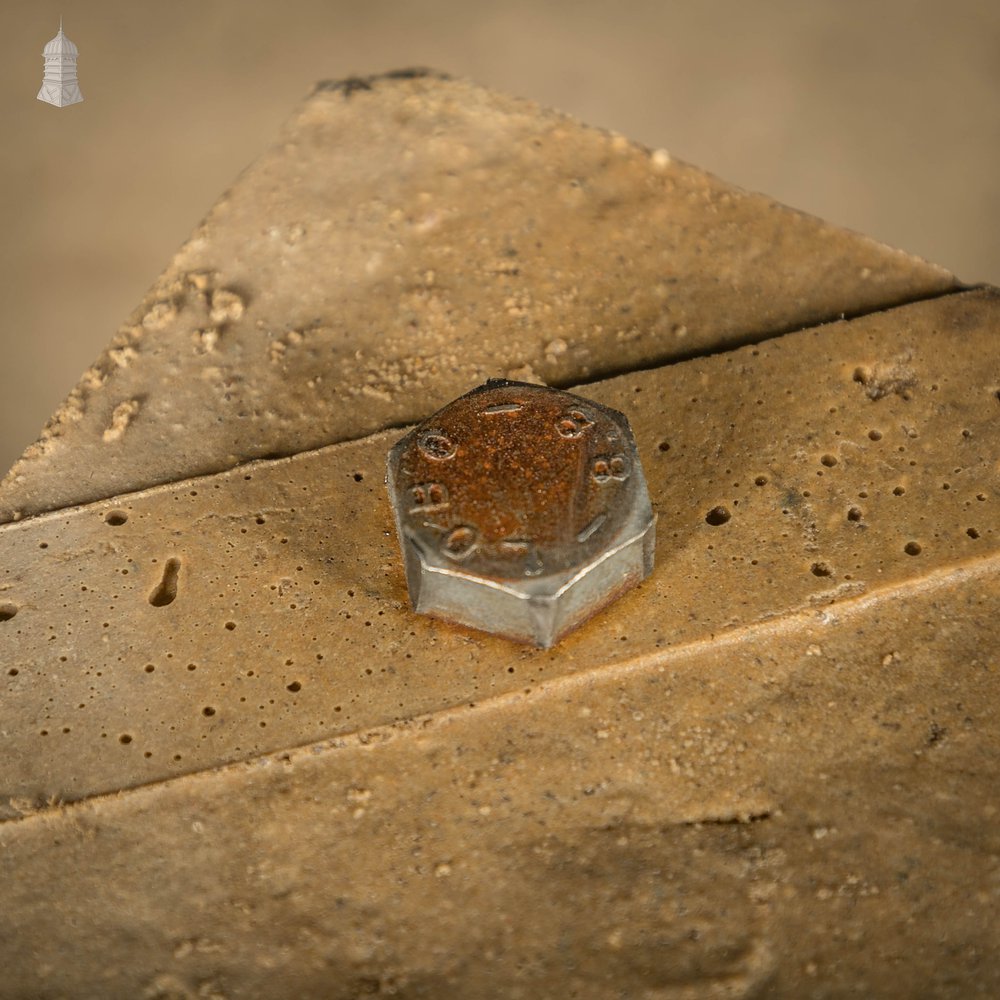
(717, 516)
(166, 590)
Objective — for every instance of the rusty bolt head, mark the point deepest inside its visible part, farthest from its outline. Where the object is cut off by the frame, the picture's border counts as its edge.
(521, 510)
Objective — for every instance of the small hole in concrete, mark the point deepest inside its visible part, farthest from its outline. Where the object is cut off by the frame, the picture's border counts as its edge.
(125, 738)
(7, 611)
(972, 533)
(208, 711)
(760, 481)
(664, 446)
(717, 516)
(898, 491)
(875, 435)
(230, 625)
(294, 686)
(821, 569)
(166, 589)
(854, 514)
(912, 548)
(829, 461)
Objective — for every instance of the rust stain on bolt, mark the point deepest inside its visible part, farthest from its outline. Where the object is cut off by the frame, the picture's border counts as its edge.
(521, 510)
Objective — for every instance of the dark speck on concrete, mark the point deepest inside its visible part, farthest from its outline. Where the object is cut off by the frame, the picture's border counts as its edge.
(352, 84)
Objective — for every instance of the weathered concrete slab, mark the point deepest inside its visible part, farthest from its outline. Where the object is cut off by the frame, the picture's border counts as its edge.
(408, 236)
(236, 765)
(808, 810)
(782, 746)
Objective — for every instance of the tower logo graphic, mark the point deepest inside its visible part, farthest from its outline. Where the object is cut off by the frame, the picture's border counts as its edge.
(59, 86)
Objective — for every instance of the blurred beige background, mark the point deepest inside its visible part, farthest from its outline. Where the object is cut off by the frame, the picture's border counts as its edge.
(880, 116)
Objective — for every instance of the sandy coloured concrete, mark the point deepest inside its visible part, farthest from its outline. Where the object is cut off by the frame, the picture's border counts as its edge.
(407, 237)
(235, 764)
(770, 770)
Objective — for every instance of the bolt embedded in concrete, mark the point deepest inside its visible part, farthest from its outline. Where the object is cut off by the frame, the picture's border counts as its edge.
(521, 510)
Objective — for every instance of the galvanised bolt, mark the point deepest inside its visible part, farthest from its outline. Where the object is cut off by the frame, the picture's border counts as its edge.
(521, 510)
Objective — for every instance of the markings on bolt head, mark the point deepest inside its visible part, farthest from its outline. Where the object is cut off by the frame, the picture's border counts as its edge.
(594, 525)
(436, 445)
(607, 467)
(574, 423)
(503, 408)
(523, 547)
(530, 501)
(428, 496)
(460, 542)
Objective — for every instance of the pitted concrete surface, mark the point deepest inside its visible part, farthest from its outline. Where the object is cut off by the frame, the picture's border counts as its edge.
(236, 764)
(236, 758)
(409, 236)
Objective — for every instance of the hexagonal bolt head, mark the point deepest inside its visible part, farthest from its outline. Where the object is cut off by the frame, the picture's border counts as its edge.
(521, 510)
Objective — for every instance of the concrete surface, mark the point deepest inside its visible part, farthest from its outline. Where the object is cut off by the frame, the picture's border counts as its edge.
(882, 117)
(407, 237)
(237, 765)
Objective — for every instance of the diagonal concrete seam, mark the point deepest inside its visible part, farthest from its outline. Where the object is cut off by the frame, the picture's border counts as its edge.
(785, 626)
(407, 236)
(813, 468)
